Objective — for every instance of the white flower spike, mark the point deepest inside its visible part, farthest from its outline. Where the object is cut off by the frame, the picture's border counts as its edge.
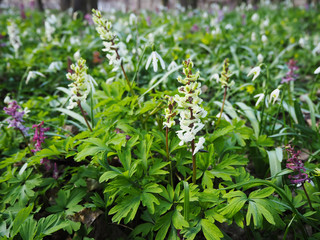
(154, 56)
(255, 71)
(317, 71)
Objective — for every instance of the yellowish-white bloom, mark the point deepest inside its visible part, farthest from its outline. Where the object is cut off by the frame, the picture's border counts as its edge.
(274, 95)
(255, 71)
(77, 55)
(154, 56)
(199, 145)
(14, 38)
(317, 71)
(133, 19)
(253, 37)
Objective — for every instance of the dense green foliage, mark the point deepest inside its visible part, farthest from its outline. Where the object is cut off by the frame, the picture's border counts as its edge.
(119, 175)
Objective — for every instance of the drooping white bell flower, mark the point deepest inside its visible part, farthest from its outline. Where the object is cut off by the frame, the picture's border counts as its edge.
(155, 57)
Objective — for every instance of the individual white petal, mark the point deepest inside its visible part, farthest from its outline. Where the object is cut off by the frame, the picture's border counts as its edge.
(317, 71)
(161, 61)
(199, 145)
(154, 62)
(260, 98)
(149, 61)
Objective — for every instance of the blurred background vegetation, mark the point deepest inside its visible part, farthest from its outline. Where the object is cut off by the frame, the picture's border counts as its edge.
(129, 5)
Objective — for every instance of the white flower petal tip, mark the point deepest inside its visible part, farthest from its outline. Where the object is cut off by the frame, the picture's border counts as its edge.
(199, 145)
(260, 98)
(317, 71)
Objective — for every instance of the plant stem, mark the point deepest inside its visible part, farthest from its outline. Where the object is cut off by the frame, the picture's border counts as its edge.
(274, 122)
(84, 115)
(194, 163)
(224, 100)
(168, 155)
(262, 113)
(25, 139)
(123, 71)
(307, 195)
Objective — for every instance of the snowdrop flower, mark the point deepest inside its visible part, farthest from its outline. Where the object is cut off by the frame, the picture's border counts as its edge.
(255, 71)
(216, 77)
(172, 65)
(260, 97)
(264, 38)
(317, 71)
(274, 95)
(260, 57)
(80, 86)
(77, 55)
(253, 37)
(228, 27)
(33, 75)
(154, 56)
(316, 49)
(265, 23)
(255, 17)
(55, 66)
(133, 19)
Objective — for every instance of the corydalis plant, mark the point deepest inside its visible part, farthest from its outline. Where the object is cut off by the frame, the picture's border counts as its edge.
(80, 86)
(190, 111)
(103, 27)
(14, 37)
(16, 117)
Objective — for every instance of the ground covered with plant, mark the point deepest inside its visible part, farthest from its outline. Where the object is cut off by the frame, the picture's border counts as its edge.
(160, 125)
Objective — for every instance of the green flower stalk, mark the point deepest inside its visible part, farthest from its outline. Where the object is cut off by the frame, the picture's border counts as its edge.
(224, 81)
(80, 86)
(169, 122)
(104, 28)
(190, 111)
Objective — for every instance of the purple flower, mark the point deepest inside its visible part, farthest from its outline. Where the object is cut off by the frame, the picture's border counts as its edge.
(297, 166)
(22, 12)
(194, 28)
(16, 117)
(88, 18)
(220, 16)
(39, 136)
(148, 19)
(291, 76)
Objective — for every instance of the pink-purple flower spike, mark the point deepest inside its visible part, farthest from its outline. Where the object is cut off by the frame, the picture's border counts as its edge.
(16, 117)
(39, 136)
(296, 164)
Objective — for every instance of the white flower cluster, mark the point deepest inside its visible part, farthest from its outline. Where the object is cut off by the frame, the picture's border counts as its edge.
(103, 27)
(14, 37)
(189, 107)
(80, 86)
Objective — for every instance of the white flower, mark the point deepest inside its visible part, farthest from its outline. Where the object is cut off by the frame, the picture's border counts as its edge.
(255, 17)
(133, 19)
(316, 49)
(49, 30)
(228, 27)
(55, 66)
(317, 71)
(199, 145)
(265, 23)
(255, 71)
(14, 38)
(260, 97)
(154, 56)
(33, 75)
(260, 57)
(172, 65)
(216, 77)
(264, 38)
(253, 37)
(274, 95)
(7, 100)
(77, 55)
